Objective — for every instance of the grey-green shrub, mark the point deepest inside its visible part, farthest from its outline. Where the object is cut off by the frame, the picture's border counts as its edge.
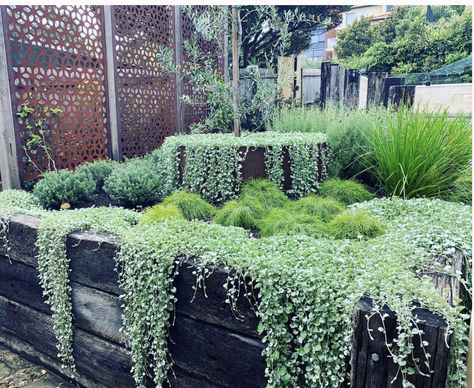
(345, 191)
(62, 186)
(99, 169)
(285, 222)
(355, 225)
(244, 213)
(191, 206)
(313, 205)
(266, 192)
(134, 183)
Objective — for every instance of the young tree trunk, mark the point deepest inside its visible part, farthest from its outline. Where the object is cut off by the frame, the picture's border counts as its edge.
(235, 67)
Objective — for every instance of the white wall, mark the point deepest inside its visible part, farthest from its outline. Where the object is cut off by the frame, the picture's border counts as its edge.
(363, 90)
(456, 98)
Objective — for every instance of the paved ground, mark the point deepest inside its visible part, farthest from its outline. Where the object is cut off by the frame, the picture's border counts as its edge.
(17, 372)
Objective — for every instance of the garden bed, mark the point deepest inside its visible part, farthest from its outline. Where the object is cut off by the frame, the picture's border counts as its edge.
(208, 344)
(215, 165)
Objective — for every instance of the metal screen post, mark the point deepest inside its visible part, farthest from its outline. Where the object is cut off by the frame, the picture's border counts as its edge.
(8, 149)
(111, 82)
(178, 42)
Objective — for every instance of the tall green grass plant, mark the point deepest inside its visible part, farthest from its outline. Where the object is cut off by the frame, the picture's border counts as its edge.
(419, 154)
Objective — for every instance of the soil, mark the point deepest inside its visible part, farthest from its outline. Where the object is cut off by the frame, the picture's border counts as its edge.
(17, 372)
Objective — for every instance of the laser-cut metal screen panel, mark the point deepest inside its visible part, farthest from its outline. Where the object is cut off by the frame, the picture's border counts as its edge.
(57, 61)
(193, 113)
(147, 97)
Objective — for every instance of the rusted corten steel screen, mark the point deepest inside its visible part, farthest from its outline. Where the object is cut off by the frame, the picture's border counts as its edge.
(56, 60)
(197, 111)
(147, 96)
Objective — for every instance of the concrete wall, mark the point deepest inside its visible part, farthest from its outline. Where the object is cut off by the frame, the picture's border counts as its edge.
(457, 98)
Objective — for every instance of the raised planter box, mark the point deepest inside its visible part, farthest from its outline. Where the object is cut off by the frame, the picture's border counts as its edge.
(209, 346)
(253, 165)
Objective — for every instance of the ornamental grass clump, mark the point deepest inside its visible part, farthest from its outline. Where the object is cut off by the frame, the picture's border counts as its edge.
(160, 212)
(461, 189)
(244, 213)
(58, 187)
(134, 183)
(285, 222)
(419, 154)
(345, 129)
(191, 206)
(266, 192)
(99, 169)
(313, 205)
(345, 191)
(355, 225)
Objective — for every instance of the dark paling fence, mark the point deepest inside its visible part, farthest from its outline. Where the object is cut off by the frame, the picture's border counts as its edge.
(98, 64)
(342, 86)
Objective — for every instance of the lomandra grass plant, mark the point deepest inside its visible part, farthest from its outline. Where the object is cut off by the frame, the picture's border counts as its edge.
(419, 154)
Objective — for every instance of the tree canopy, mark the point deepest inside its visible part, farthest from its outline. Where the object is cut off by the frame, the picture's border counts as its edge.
(263, 27)
(407, 41)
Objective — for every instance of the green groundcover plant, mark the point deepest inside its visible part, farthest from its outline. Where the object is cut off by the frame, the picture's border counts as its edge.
(213, 162)
(244, 213)
(323, 208)
(419, 154)
(265, 192)
(345, 191)
(307, 288)
(159, 212)
(191, 206)
(286, 222)
(355, 224)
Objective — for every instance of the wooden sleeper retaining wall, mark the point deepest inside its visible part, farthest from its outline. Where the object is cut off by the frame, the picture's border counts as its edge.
(209, 346)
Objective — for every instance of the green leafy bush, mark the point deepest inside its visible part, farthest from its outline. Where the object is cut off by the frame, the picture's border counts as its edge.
(159, 212)
(135, 182)
(345, 129)
(266, 192)
(285, 222)
(64, 186)
(345, 191)
(355, 225)
(244, 213)
(323, 208)
(419, 154)
(191, 206)
(214, 162)
(406, 41)
(99, 169)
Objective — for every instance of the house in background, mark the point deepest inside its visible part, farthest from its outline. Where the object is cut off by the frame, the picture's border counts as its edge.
(377, 12)
(315, 51)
